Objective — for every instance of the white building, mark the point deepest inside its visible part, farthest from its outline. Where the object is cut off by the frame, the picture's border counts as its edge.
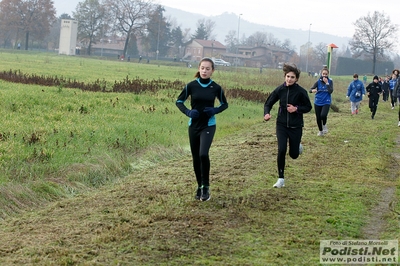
(68, 36)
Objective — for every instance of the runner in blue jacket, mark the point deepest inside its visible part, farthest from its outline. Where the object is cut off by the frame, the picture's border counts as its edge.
(323, 89)
(392, 84)
(355, 91)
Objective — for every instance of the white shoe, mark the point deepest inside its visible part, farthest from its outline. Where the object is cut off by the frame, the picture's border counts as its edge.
(280, 183)
(398, 124)
(324, 129)
(300, 149)
(320, 134)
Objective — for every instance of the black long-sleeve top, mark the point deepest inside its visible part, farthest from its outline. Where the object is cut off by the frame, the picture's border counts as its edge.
(203, 93)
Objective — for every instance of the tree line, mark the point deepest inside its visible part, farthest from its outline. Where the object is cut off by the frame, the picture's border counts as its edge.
(33, 24)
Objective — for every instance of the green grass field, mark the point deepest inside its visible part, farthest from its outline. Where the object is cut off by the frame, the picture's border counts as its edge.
(92, 178)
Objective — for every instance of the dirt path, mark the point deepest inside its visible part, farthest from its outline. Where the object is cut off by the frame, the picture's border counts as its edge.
(155, 207)
(377, 224)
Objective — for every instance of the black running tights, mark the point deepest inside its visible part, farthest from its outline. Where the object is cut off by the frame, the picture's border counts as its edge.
(285, 135)
(200, 143)
(321, 113)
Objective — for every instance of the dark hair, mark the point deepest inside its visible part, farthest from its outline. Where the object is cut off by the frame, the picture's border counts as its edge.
(325, 68)
(355, 75)
(291, 68)
(205, 59)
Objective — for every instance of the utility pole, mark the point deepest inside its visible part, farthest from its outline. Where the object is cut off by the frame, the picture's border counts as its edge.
(237, 47)
(308, 47)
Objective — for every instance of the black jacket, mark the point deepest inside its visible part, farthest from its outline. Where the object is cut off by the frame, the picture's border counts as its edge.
(295, 95)
(396, 90)
(374, 89)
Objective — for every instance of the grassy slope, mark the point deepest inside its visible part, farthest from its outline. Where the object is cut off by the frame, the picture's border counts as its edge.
(150, 217)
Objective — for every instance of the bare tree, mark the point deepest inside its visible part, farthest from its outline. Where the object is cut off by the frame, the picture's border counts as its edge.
(230, 40)
(28, 17)
(272, 40)
(396, 61)
(257, 39)
(131, 16)
(321, 53)
(210, 26)
(8, 27)
(287, 45)
(373, 37)
(91, 15)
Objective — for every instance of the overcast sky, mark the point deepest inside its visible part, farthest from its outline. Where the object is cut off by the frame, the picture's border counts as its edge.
(333, 17)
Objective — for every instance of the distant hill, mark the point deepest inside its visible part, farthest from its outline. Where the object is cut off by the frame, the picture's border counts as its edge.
(229, 21)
